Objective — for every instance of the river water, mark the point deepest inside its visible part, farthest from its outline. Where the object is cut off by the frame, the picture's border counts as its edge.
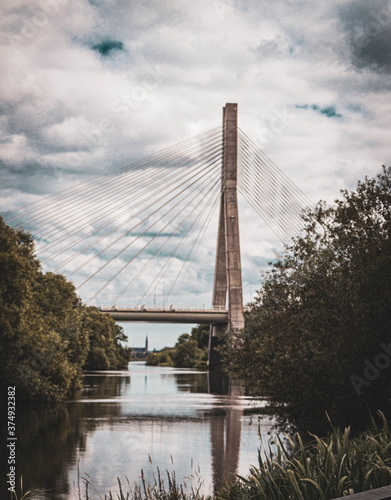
(194, 423)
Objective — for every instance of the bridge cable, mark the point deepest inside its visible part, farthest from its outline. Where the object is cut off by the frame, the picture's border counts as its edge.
(101, 177)
(284, 178)
(280, 193)
(113, 187)
(160, 218)
(267, 173)
(145, 246)
(196, 246)
(142, 194)
(176, 250)
(278, 205)
(205, 170)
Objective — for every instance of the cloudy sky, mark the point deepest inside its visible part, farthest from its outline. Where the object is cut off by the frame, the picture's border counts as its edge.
(87, 86)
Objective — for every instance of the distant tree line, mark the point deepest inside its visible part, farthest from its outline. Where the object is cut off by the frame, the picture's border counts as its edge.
(190, 350)
(317, 338)
(48, 337)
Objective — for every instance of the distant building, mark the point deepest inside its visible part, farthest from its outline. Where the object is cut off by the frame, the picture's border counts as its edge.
(141, 352)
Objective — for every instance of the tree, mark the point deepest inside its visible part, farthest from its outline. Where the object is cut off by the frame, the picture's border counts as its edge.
(47, 335)
(162, 358)
(190, 350)
(41, 341)
(200, 334)
(317, 337)
(105, 336)
(186, 352)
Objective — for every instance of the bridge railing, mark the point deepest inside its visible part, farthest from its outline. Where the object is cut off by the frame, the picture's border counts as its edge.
(143, 307)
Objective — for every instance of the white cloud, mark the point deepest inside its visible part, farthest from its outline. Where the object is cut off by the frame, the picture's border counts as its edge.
(69, 110)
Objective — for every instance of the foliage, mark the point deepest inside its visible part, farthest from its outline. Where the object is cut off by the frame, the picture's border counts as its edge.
(339, 465)
(185, 353)
(161, 489)
(323, 315)
(162, 358)
(200, 334)
(47, 335)
(190, 350)
(106, 352)
(324, 469)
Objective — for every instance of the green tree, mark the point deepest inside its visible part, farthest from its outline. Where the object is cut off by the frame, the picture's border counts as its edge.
(105, 336)
(46, 336)
(323, 315)
(190, 350)
(55, 301)
(42, 346)
(200, 334)
(152, 359)
(162, 358)
(186, 353)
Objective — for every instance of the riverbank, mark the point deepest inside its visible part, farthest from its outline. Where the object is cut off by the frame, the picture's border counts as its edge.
(328, 468)
(190, 351)
(185, 421)
(179, 417)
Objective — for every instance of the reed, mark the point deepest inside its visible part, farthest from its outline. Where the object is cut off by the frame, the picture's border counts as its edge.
(323, 469)
(160, 489)
(30, 494)
(287, 469)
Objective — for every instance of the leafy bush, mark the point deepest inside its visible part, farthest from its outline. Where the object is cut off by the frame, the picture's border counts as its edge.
(326, 468)
(47, 336)
(190, 350)
(323, 314)
(338, 465)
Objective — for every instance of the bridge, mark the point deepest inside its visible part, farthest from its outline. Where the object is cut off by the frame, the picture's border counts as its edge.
(129, 230)
(214, 316)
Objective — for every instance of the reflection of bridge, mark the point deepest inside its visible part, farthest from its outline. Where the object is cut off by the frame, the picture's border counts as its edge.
(128, 231)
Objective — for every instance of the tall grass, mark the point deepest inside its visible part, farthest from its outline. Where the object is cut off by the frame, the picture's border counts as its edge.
(288, 469)
(324, 469)
(160, 489)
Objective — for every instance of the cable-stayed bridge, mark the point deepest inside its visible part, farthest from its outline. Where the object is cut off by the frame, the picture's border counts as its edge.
(123, 235)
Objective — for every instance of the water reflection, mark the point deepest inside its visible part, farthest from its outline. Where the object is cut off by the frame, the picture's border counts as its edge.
(179, 418)
(225, 431)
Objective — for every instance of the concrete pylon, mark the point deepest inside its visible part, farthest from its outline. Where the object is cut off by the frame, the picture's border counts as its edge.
(228, 270)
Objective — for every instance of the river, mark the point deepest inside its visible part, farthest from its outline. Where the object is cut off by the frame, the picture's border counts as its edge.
(191, 422)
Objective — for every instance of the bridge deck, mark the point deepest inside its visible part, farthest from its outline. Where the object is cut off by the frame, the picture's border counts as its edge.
(170, 315)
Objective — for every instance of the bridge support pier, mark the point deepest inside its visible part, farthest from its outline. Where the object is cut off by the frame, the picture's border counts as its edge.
(228, 271)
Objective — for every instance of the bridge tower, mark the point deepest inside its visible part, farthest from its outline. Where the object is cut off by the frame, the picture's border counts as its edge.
(228, 270)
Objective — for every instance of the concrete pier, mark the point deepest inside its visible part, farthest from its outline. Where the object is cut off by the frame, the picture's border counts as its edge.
(228, 271)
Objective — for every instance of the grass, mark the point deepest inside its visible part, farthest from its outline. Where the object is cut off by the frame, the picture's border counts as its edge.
(324, 469)
(288, 469)
(159, 490)
(30, 494)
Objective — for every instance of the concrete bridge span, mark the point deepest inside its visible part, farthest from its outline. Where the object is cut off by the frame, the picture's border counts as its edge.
(149, 315)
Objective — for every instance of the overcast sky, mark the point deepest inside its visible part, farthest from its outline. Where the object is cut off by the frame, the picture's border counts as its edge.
(89, 86)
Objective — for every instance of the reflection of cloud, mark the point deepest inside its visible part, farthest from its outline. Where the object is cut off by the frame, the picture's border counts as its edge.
(168, 416)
